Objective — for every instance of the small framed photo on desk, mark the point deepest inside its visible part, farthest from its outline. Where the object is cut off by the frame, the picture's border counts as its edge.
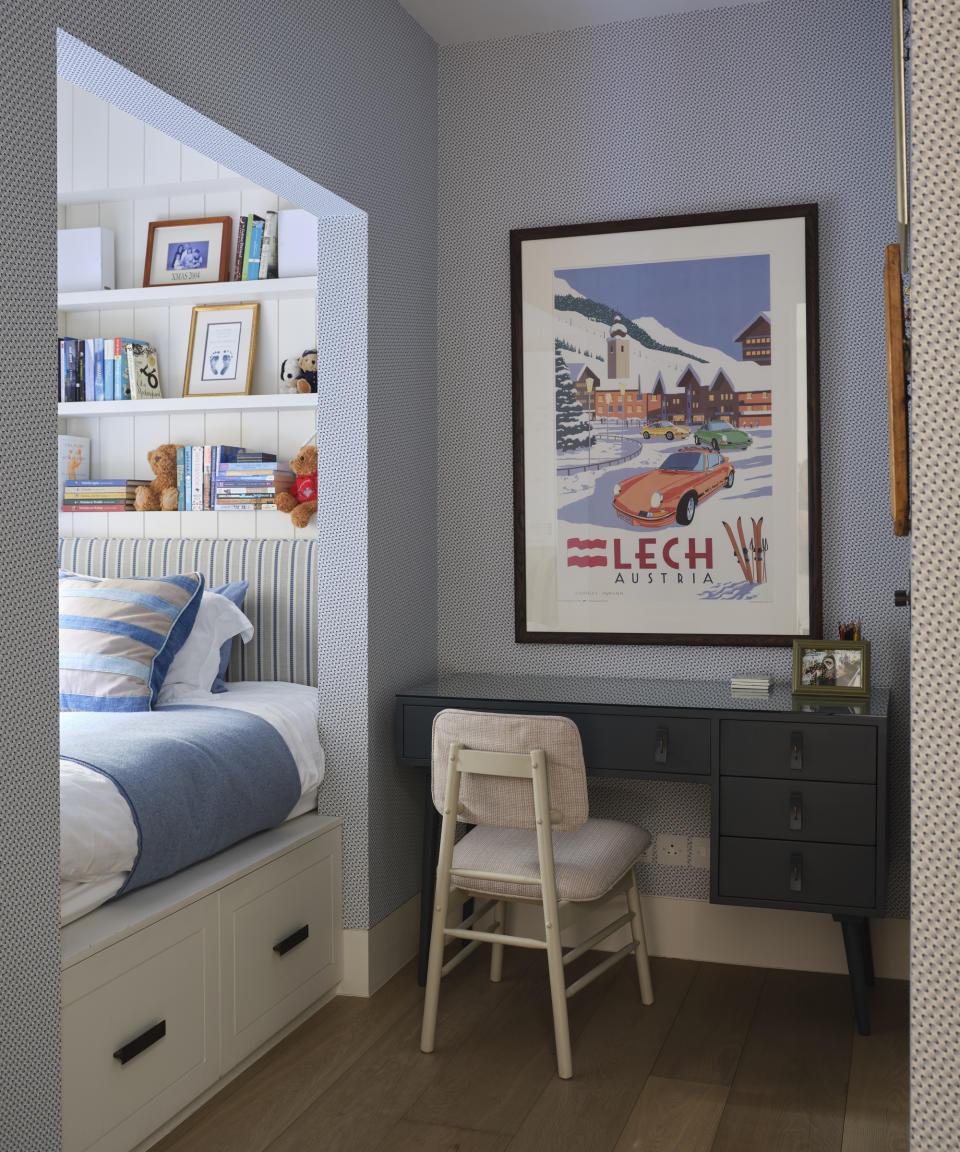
(831, 668)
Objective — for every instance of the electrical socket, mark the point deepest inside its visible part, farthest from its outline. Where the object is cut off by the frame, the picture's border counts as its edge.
(671, 850)
(699, 851)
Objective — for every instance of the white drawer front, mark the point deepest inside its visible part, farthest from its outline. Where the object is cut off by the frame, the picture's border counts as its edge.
(164, 973)
(294, 903)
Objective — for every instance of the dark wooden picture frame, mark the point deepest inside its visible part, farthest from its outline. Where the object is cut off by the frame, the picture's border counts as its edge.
(807, 349)
(831, 649)
(896, 393)
(221, 264)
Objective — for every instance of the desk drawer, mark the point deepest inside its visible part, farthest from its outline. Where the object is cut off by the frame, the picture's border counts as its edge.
(838, 875)
(798, 751)
(798, 810)
(660, 744)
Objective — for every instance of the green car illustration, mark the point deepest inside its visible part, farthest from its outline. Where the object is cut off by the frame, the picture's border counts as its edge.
(717, 434)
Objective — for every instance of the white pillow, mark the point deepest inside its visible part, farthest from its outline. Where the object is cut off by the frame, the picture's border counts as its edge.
(196, 665)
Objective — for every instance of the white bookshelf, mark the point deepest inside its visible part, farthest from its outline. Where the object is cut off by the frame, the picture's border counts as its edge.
(116, 172)
(101, 408)
(165, 295)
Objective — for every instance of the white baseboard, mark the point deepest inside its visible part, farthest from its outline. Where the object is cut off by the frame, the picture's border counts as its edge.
(728, 934)
(372, 956)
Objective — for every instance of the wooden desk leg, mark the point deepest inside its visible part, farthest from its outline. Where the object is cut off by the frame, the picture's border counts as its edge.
(868, 953)
(428, 881)
(856, 942)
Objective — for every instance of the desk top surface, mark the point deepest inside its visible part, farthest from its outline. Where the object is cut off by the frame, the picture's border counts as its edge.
(715, 695)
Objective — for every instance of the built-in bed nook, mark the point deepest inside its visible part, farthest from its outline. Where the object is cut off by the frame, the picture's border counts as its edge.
(200, 885)
(222, 957)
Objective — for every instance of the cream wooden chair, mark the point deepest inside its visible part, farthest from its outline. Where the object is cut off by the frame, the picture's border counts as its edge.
(521, 781)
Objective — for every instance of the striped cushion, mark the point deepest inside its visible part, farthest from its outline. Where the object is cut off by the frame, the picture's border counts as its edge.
(281, 601)
(118, 638)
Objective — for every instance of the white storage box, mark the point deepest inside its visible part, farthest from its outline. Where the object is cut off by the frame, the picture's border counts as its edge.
(85, 259)
(296, 243)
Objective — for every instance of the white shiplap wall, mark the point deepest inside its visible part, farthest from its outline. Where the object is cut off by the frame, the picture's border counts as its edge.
(135, 174)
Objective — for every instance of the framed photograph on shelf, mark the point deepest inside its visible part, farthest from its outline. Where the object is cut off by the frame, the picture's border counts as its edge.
(666, 430)
(188, 251)
(221, 350)
(831, 668)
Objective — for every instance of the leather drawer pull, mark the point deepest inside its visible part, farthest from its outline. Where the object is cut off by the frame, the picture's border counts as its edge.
(796, 811)
(292, 940)
(663, 746)
(796, 751)
(796, 873)
(141, 1043)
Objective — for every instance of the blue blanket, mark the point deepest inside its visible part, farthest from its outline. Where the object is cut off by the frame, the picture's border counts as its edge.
(197, 779)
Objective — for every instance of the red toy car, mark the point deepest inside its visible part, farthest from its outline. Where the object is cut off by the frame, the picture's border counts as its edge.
(672, 491)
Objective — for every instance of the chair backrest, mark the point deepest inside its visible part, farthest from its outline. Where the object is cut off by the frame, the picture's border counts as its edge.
(506, 802)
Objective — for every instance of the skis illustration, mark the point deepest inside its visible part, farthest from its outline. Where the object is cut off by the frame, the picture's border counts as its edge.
(764, 547)
(738, 555)
(757, 547)
(743, 547)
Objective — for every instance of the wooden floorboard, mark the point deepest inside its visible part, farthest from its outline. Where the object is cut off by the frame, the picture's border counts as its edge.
(706, 1040)
(612, 1058)
(790, 1087)
(878, 1102)
(727, 1059)
(673, 1116)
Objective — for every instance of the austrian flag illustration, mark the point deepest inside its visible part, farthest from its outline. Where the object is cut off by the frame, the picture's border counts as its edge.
(586, 553)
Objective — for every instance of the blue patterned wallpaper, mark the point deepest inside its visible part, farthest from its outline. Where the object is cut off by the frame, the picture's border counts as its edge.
(770, 103)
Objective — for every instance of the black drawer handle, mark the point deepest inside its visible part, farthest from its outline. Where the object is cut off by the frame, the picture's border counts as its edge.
(796, 751)
(796, 873)
(141, 1043)
(663, 746)
(796, 812)
(292, 940)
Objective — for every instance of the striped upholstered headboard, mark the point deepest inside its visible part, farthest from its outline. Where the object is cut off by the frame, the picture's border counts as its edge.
(281, 599)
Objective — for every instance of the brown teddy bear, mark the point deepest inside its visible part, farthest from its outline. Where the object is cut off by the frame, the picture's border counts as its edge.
(301, 500)
(161, 496)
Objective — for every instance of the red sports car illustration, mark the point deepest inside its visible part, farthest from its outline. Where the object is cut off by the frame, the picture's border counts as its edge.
(672, 491)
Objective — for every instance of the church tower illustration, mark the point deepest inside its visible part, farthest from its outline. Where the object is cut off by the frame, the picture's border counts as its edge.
(618, 351)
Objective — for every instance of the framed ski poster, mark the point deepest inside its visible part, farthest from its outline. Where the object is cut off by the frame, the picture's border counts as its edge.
(666, 432)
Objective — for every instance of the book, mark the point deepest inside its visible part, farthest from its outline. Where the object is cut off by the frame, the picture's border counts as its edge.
(98, 369)
(79, 388)
(121, 389)
(89, 370)
(241, 248)
(268, 255)
(68, 360)
(181, 497)
(108, 365)
(73, 461)
(143, 371)
(255, 233)
(248, 222)
(187, 488)
(63, 367)
(196, 479)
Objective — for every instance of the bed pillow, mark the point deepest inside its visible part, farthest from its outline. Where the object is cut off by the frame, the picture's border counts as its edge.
(236, 592)
(198, 661)
(118, 638)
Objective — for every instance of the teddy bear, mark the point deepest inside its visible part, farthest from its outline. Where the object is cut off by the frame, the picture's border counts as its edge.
(299, 373)
(301, 500)
(161, 496)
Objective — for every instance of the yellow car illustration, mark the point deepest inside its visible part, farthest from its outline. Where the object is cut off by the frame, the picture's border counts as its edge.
(665, 428)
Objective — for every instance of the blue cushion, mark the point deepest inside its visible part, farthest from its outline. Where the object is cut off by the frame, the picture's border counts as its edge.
(118, 638)
(236, 593)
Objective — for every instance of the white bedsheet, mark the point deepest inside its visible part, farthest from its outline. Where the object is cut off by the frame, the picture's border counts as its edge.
(98, 839)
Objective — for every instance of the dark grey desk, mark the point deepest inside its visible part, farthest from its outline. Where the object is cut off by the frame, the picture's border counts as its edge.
(798, 789)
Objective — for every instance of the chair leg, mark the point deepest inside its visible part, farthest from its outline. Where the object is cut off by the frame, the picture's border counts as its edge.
(640, 940)
(496, 951)
(558, 996)
(432, 994)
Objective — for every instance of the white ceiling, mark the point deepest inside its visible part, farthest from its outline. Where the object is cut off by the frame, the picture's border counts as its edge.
(456, 21)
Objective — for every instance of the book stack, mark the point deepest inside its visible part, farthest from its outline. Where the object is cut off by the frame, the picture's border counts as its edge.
(100, 495)
(256, 257)
(750, 685)
(107, 368)
(250, 481)
(221, 477)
